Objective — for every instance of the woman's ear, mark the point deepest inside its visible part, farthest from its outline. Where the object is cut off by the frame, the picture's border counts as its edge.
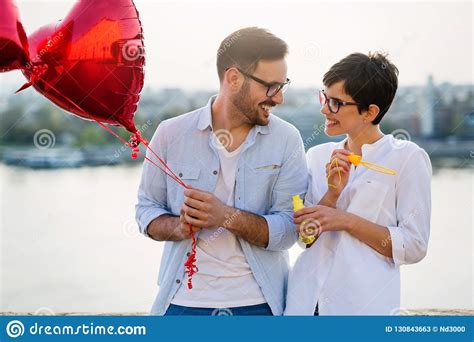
(371, 113)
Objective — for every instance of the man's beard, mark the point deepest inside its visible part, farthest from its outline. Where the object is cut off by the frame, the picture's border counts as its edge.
(244, 107)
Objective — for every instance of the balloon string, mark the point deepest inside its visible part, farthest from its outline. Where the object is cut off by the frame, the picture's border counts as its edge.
(137, 151)
(190, 263)
(162, 162)
(136, 139)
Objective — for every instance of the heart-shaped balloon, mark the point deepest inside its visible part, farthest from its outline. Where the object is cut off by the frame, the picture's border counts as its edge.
(13, 41)
(91, 63)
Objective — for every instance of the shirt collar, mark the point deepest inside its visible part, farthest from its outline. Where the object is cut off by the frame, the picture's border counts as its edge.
(205, 119)
(365, 147)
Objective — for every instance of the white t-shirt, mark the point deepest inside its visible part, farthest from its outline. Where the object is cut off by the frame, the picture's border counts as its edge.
(224, 279)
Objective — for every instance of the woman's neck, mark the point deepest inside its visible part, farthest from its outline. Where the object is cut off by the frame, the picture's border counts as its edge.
(368, 136)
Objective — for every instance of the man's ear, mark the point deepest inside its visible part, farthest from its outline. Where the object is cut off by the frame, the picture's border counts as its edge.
(371, 113)
(233, 78)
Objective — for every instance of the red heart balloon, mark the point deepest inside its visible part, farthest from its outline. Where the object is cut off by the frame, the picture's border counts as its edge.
(13, 41)
(91, 63)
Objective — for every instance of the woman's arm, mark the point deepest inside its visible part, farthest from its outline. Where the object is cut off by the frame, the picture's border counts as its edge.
(372, 234)
(405, 243)
(329, 219)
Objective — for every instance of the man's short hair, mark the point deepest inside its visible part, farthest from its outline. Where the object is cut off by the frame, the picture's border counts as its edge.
(246, 47)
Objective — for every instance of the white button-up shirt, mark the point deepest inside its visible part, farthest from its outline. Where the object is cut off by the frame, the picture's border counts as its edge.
(343, 275)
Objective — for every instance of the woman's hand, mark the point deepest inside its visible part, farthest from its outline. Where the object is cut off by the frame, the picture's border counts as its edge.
(337, 172)
(319, 219)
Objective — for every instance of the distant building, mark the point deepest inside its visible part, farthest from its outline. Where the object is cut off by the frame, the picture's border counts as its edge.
(427, 109)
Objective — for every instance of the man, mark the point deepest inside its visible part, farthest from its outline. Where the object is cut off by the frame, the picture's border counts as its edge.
(242, 165)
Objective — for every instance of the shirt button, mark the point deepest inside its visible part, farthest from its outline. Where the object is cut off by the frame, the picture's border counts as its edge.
(180, 175)
(214, 172)
(178, 281)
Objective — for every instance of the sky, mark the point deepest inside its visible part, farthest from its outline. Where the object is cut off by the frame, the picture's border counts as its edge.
(182, 37)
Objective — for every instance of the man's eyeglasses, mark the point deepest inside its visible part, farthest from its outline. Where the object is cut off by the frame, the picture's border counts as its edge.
(333, 104)
(272, 88)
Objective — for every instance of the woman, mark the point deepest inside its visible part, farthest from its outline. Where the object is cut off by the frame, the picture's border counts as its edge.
(370, 220)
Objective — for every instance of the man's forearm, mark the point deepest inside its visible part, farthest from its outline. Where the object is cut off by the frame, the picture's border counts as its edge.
(251, 227)
(165, 228)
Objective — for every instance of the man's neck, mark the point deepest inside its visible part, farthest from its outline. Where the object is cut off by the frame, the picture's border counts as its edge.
(226, 117)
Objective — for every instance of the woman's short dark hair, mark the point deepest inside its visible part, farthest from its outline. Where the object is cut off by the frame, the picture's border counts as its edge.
(246, 47)
(368, 79)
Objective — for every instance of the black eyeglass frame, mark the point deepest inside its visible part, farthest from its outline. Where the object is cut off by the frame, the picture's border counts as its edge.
(270, 93)
(323, 95)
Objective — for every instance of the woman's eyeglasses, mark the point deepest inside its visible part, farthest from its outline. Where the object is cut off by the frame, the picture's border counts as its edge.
(333, 104)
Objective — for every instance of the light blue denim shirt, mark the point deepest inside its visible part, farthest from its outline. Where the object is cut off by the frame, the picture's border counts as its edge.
(271, 168)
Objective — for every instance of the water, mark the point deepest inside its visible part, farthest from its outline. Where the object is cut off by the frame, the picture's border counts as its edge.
(69, 243)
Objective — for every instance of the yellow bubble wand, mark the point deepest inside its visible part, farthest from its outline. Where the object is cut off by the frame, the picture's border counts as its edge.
(357, 160)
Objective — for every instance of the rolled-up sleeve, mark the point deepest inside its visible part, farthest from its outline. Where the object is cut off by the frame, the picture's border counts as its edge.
(292, 180)
(413, 207)
(152, 190)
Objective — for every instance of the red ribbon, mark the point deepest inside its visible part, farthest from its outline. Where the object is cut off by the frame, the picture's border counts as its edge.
(133, 143)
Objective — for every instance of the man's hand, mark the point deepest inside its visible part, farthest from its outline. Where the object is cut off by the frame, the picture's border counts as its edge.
(203, 209)
(185, 230)
(170, 228)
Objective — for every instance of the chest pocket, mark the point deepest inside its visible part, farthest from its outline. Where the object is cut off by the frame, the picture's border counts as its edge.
(266, 174)
(190, 175)
(260, 181)
(366, 198)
